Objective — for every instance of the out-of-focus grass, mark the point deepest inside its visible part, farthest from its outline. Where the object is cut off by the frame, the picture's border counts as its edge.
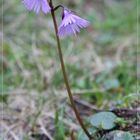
(100, 61)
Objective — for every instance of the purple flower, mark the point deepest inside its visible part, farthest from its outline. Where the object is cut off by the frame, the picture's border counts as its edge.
(71, 24)
(37, 5)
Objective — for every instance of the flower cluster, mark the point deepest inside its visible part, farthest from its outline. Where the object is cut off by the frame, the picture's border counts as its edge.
(71, 23)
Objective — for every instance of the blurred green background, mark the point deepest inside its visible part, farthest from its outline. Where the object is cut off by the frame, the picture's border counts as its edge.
(101, 63)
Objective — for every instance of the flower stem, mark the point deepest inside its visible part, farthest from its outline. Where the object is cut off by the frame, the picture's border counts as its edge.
(55, 8)
(65, 74)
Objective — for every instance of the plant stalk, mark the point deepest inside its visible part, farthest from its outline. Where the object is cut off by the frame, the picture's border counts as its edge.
(65, 74)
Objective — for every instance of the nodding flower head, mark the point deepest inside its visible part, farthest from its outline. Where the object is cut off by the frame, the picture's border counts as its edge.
(37, 6)
(71, 23)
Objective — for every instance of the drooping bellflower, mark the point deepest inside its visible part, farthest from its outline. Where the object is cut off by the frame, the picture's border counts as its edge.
(71, 23)
(37, 5)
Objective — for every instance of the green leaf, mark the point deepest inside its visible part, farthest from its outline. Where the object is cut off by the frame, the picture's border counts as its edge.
(118, 135)
(59, 126)
(103, 120)
(123, 136)
(83, 136)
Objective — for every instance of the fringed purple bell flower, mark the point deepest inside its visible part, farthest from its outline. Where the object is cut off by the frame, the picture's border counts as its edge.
(37, 6)
(71, 24)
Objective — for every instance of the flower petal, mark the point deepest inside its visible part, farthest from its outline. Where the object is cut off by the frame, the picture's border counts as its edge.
(71, 24)
(37, 5)
(68, 30)
(45, 7)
